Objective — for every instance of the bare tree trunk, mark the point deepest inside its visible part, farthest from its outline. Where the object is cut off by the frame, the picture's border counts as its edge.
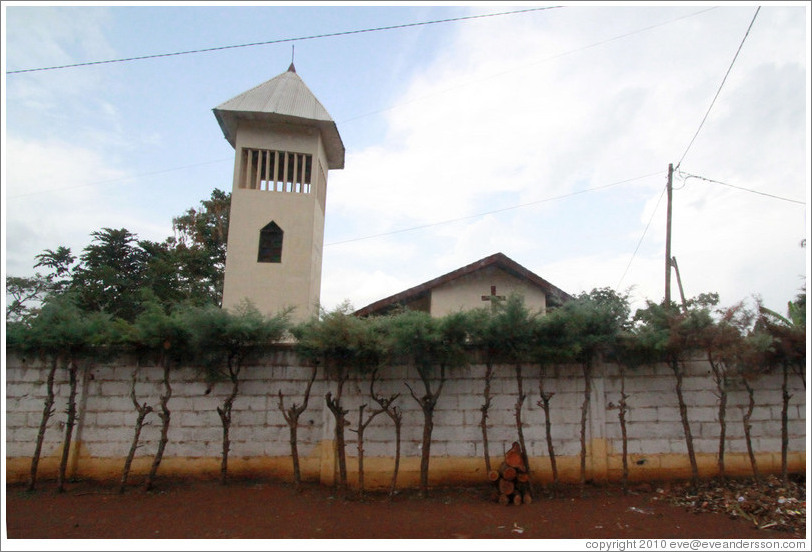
(395, 414)
(143, 411)
(69, 423)
(751, 404)
(360, 431)
(397, 418)
(484, 409)
(621, 414)
(520, 430)
(339, 413)
(165, 415)
(785, 397)
(427, 404)
(225, 416)
(292, 418)
(544, 403)
(587, 369)
(47, 412)
(719, 380)
(686, 427)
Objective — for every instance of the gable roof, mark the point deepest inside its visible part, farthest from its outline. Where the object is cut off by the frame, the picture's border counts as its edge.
(287, 99)
(498, 260)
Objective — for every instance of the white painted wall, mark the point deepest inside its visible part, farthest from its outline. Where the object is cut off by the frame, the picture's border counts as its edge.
(259, 429)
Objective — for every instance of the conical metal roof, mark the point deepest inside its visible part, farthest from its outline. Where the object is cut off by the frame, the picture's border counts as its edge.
(284, 98)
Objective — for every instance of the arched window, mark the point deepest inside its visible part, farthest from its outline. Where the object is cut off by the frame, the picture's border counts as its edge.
(270, 244)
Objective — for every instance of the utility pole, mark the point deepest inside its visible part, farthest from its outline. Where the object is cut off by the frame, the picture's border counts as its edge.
(679, 283)
(668, 239)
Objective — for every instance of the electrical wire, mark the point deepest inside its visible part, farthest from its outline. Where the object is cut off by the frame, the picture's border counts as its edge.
(640, 241)
(535, 62)
(281, 40)
(702, 123)
(448, 221)
(686, 176)
(133, 177)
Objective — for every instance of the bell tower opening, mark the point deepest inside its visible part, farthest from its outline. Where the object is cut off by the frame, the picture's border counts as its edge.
(275, 171)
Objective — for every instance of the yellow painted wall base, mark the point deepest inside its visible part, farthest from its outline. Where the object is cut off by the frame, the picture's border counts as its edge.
(602, 465)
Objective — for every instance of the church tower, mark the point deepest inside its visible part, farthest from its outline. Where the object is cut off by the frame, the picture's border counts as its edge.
(285, 143)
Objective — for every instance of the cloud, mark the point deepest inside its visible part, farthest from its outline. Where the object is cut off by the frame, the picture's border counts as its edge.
(48, 36)
(478, 129)
(45, 219)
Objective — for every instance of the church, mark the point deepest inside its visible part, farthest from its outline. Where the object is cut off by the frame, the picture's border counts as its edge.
(285, 144)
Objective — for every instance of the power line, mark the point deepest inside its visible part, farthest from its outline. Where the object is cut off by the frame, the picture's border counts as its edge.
(595, 44)
(640, 241)
(310, 37)
(536, 62)
(687, 176)
(133, 177)
(720, 87)
(448, 221)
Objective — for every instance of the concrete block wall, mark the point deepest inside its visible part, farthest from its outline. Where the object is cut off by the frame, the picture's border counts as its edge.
(260, 435)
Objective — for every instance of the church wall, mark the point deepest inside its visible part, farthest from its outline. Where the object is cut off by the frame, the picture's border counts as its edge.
(466, 292)
(260, 437)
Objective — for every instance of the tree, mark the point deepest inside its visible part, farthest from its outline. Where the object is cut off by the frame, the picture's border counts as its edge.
(27, 293)
(201, 237)
(511, 331)
(165, 338)
(223, 342)
(723, 343)
(65, 335)
(629, 353)
(186, 267)
(672, 336)
(593, 322)
(291, 416)
(362, 426)
(342, 343)
(22, 293)
(483, 338)
(110, 274)
(430, 345)
(395, 414)
(787, 350)
(550, 346)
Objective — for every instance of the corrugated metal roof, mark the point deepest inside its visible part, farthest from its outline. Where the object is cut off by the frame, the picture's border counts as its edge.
(284, 98)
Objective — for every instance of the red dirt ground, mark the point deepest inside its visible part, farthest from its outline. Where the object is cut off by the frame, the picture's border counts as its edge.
(264, 509)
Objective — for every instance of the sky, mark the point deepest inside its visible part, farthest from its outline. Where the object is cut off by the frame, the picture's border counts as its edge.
(545, 135)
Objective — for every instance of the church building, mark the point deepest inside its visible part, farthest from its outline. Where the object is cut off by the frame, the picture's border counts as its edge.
(285, 143)
(480, 283)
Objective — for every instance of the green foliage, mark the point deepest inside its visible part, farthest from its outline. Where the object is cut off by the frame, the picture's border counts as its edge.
(339, 341)
(60, 263)
(505, 332)
(161, 334)
(24, 295)
(116, 266)
(415, 337)
(783, 337)
(223, 340)
(668, 334)
(591, 323)
(200, 246)
(61, 328)
(110, 274)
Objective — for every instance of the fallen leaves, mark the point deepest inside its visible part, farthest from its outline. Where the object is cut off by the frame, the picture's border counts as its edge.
(767, 503)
